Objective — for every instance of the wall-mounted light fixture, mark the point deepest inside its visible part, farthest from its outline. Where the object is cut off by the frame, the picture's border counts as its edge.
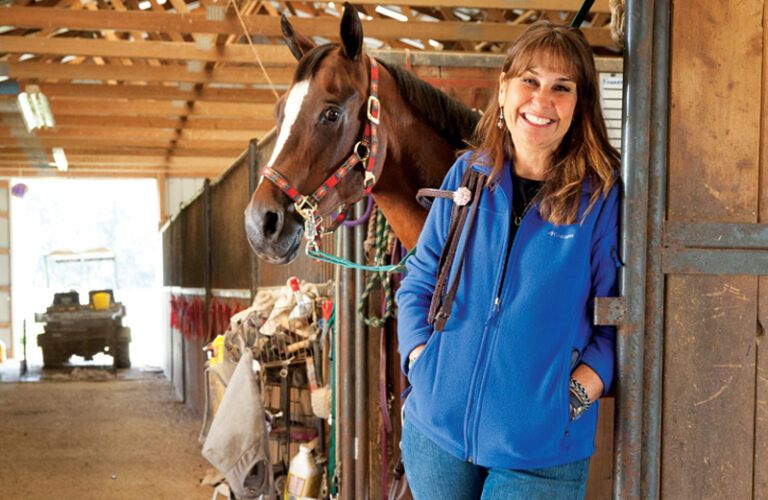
(60, 159)
(34, 108)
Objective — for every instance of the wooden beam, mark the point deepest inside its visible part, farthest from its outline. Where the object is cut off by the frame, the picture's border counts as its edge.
(97, 107)
(271, 55)
(118, 133)
(216, 164)
(280, 76)
(161, 92)
(193, 122)
(260, 25)
(65, 142)
(105, 160)
(16, 153)
(570, 5)
(110, 172)
(161, 199)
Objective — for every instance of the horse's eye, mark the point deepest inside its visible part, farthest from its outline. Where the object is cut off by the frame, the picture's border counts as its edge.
(331, 115)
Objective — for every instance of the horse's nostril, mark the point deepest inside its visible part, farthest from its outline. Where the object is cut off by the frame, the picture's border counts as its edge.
(273, 223)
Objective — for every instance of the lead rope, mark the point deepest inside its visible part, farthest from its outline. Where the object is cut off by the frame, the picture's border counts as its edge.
(381, 250)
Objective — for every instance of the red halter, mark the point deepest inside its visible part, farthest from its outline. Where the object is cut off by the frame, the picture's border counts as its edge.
(366, 149)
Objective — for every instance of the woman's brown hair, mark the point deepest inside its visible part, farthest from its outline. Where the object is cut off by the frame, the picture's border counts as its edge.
(585, 154)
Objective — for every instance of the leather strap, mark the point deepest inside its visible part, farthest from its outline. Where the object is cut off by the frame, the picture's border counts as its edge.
(440, 306)
(424, 193)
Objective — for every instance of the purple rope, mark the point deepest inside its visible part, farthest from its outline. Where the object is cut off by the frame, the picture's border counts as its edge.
(364, 218)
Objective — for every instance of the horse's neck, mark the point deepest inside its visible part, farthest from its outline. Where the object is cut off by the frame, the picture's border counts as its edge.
(416, 157)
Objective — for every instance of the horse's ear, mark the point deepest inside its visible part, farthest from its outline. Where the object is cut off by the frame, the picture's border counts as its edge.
(351, 33)
(299, 44)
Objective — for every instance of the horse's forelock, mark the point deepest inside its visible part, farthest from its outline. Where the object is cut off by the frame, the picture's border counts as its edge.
(310, 63)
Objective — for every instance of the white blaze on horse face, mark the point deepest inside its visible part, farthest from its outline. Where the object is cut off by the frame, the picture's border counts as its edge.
(292, 108)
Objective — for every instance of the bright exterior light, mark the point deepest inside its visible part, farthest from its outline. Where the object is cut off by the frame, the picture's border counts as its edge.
(386, 11)
(435, 44)
(60, 159)
(35, 110)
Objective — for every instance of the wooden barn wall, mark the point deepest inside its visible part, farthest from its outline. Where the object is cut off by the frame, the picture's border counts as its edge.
(193, 269)
(192, 224)
(177, 341)
(230, 253)
(714, 416)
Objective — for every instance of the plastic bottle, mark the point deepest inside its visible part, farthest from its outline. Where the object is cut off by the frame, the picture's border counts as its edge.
(302, 312)
(304, 477)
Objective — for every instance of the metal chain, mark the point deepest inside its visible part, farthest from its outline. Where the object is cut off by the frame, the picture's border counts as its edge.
(381, 247)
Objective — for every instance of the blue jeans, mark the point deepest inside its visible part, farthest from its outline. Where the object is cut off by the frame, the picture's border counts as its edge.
(435, 474)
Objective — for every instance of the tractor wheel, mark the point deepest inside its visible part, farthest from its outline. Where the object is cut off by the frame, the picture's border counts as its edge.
(54, 356)
(123, 354)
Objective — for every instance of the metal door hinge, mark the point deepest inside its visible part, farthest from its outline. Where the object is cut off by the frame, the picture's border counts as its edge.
(609, 310)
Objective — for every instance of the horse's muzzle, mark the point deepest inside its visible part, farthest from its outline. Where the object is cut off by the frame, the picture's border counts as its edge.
(274, 235)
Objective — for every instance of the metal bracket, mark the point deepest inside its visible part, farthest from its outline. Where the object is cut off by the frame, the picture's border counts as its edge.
(609, 311)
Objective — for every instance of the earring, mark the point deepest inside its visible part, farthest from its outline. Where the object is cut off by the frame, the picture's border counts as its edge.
(500, 123)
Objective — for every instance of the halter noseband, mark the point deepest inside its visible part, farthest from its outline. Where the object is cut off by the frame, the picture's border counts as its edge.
(366, 149)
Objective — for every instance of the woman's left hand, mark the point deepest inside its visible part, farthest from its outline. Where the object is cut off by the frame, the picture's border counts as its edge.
(590, 380)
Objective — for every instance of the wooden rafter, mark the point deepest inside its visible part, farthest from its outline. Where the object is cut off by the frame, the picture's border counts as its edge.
(157, 92)
(162, 90)
(150, 122)
(32, 17)
(30, 70)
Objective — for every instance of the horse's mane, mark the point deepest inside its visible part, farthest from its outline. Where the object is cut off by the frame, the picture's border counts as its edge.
(450, 118)
(454, 121)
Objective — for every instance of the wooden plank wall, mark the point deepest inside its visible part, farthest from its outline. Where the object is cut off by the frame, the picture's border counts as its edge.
(713, 441)
(761, 391)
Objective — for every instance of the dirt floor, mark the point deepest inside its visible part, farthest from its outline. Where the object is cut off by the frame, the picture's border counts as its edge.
(121, 438)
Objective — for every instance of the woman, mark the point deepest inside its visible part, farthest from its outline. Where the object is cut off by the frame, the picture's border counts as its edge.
(504, 400)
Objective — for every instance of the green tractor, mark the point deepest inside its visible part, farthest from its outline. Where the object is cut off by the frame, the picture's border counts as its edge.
(72, 328)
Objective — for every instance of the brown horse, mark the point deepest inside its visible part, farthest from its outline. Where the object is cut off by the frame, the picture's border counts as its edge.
(321, 120)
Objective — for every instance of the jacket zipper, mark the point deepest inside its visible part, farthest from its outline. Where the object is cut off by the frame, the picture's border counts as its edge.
(469, 424)
(497, 299)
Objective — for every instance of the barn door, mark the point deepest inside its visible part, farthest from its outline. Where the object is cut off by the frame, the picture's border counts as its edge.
(692, 399)
(715, 384)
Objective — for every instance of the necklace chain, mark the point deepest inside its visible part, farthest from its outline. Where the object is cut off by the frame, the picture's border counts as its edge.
(519, 218)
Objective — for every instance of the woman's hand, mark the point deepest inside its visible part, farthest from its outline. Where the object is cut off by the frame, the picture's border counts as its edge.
(415, 353)
(590, 380)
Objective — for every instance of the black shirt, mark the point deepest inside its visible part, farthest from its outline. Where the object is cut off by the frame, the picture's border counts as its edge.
(523, 193)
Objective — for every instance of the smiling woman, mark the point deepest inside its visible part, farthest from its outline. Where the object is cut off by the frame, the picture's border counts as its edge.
(509, 409)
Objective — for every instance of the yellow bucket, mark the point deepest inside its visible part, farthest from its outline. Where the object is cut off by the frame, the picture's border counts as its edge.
(101, 300)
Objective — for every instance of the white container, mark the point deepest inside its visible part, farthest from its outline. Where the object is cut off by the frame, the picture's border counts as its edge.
(304, 477)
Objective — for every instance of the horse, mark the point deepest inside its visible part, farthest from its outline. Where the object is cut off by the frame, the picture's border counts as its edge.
(348, 126)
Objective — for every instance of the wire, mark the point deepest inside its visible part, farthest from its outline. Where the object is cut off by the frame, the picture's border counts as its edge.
(253, 49)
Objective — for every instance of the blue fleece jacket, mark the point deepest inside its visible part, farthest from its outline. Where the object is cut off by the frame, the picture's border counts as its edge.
(492, 388)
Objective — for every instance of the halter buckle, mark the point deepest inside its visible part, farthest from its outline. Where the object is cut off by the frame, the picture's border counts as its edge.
(374, 109)
(366, 151)
(369, 180)
(305, 207)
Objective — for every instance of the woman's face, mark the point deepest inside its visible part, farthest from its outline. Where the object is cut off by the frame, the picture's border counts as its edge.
(538, 107)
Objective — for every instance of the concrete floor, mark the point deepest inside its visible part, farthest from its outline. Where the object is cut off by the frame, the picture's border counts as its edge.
(121, 438)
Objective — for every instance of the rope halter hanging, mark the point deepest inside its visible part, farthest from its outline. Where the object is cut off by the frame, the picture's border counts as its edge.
(364, 151)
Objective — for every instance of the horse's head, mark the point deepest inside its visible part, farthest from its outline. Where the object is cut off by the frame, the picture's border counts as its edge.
(320, 119)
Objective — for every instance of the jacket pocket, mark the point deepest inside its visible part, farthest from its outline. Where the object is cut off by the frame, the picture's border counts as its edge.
(421, 360)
